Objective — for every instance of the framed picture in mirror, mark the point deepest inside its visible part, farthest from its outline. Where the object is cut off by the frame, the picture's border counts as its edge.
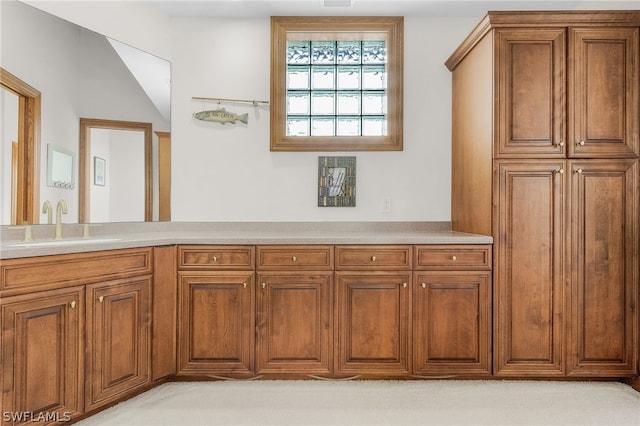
(99, 171)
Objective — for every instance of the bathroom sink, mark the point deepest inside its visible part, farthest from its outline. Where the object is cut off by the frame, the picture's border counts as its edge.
(58, 243)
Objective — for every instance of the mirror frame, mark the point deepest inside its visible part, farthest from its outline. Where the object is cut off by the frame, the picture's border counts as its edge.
(84, 180)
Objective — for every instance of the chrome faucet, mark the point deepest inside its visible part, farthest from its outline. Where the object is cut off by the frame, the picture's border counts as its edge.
(46, 208)
(61, 209)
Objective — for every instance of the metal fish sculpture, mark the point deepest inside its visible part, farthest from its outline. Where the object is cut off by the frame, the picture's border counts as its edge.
(221, 116)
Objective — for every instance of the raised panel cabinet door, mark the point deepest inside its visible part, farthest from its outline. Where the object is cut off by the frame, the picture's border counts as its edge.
(372, 325)
(294, 323)
(604, 272)
(604, 81)
(42, 355)
(452, 323)
(118, 339)
(528, 273)
(216, 323)
(530, 82)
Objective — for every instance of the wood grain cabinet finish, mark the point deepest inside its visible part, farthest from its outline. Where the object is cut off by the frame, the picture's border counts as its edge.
(452, 310)
(118, 339)
(528, 277)
(42, 356)
(62, 353)
(216, 310)
(294, 322)
(452, 323)
(545, 160)
(297, 257)
(216, 323)
(294, 309)
(372, 323)
(373, 308)
(604, 268)
(604, 103)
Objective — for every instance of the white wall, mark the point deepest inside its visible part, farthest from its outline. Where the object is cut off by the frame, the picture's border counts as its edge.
(227, 173)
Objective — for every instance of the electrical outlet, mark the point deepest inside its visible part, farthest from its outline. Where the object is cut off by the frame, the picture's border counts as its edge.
(386, 205)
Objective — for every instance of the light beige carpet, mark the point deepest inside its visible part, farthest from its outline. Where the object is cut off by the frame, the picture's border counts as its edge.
(447, 402)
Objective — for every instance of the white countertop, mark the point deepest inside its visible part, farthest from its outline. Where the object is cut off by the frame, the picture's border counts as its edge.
(130, 235)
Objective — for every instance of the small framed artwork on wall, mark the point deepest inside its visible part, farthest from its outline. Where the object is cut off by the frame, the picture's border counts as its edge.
(99, 171)
(336, 181)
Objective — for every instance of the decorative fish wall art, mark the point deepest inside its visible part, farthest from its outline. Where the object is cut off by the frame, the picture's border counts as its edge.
(221, 116)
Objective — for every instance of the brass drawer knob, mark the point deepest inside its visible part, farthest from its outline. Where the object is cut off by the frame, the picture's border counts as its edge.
(454, 258)
(373, 258)
(214, 259)
(294, 259)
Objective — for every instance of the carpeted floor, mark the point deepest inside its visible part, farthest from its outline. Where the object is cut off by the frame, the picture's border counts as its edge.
(446, 402)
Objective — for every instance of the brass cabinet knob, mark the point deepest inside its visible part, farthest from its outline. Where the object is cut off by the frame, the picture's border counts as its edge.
(73, 304)
(581, 143)
(373, 258)
(454, 258)
(561, 144)
(244, 285)
(404, 285)
(264, 285)
(294, 259)
(214, 259)
(424, 285)
(561, 171)
(579, 171)
(101, 299)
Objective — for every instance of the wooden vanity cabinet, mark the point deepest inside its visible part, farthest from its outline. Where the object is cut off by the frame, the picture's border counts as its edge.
(373, 310)
(43, 355)
(118, 339)
(48, 305)
(544, 153)
(216, 306)
(294, 309)
(452, 311)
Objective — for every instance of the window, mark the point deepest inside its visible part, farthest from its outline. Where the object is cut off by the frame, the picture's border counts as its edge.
(336, 83)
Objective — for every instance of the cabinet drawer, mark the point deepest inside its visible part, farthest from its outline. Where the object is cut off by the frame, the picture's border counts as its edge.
(295, 257)
(64, 270)
(373, 257)
(216, 257)
(453, 257)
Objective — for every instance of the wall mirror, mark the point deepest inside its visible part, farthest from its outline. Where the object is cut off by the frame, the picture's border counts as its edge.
(61, 164)
(79, 74)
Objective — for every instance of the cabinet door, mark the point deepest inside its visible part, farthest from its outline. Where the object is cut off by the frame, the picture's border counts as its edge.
(530, 92)
(216, 323)
(294, 324)
(42, 372)
(452, 323)
(604, 278)
(118, 339)
(373, 310)
(603, 89)
(528, 280)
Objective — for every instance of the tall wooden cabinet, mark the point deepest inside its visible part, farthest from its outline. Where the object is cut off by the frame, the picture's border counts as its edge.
(545, 158)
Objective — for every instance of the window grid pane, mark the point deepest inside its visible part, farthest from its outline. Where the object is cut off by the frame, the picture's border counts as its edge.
(336, 88)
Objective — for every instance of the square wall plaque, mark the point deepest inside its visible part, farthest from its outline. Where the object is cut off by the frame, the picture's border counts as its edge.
(336, 181)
